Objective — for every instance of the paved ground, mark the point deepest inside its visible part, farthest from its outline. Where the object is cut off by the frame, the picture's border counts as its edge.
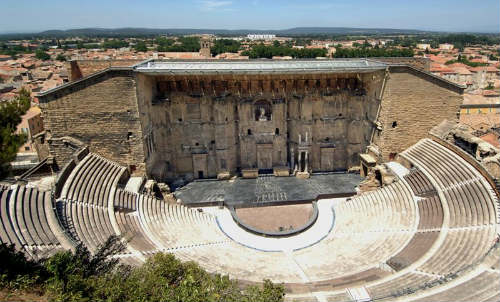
(267, 190)
(277, 218)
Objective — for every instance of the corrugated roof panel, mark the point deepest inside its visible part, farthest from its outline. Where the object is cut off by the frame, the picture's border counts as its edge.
(271, 66)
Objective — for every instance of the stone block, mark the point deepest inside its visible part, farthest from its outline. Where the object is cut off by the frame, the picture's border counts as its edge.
(224, 175)
(250, 173)
(281, 171)
(302, 175)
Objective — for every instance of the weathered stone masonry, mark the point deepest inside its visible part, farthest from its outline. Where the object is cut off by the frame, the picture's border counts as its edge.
(100, 112)
(413, 103)
(199, 124)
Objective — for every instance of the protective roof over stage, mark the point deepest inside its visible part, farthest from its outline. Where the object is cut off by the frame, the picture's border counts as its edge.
(258, 66)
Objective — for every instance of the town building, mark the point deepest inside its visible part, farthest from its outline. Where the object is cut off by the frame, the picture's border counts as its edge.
(261, 37)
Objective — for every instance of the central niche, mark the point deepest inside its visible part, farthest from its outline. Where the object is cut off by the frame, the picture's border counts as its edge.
(263, 110)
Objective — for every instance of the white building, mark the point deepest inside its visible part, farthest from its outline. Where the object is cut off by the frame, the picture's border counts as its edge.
(423, 46)
(261, 37)
(446, 46)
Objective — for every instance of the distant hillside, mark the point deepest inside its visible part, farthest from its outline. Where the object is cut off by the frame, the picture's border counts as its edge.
(133, 32)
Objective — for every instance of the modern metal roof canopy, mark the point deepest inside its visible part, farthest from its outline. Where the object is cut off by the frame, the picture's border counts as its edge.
(258, 66)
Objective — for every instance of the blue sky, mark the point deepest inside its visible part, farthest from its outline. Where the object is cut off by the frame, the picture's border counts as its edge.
(445, 15)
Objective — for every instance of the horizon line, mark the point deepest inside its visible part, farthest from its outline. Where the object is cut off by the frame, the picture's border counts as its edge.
(248, 29)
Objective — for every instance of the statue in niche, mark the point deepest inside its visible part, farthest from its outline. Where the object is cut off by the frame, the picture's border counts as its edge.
(262, 111)
(262, 116)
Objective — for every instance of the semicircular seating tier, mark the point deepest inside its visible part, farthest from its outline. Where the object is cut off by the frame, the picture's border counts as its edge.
(432, 235)
(28, 221)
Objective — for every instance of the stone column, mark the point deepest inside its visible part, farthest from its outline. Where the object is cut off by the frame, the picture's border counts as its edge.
(300, 161)
(306, 162)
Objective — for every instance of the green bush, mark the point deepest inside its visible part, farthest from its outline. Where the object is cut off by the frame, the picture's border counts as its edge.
(10, 116)
(372, 52)
(60, 57)
(184, 44)
(225, 45)
(82, 276)
(263, 51)
(42, 55)
(17, 272)
(141, 46)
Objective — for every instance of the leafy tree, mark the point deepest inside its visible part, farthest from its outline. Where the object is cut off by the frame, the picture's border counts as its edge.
(225, 45)
(184, 44)
(464, 60)
(69, 273)
(163, 43)
(190, 44)
(60, 57)
(17, 272)
(490, 86)
(276, 43)
(81, 276)
(42, 55)
(459, 46)
(165, 278)
(114, 44)
(302, 42)
(373, 52)
(141, 46)
(10, 116)
(263, 51)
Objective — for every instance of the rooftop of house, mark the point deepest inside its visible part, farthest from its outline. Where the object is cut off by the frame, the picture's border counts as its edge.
(478, 99)
(491, 138)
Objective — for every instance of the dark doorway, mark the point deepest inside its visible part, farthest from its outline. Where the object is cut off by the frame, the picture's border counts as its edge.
(378, 177)
(200, 174)
(302, 161)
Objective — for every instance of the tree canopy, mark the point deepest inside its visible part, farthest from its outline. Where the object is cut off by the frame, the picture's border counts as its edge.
(183, 44)
(372, 52)
(42, 55)
(464, 60)
(10, 116)
(141, 46)
(114, 44)
(225, 45)
(61, 57)
(263, 51)
(82, 276)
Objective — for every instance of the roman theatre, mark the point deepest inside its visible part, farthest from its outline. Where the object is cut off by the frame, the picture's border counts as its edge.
(345, 180)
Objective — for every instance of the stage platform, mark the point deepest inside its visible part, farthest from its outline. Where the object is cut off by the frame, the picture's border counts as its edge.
(267, 190)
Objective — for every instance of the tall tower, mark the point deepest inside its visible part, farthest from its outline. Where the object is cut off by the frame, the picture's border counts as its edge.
(205, 44)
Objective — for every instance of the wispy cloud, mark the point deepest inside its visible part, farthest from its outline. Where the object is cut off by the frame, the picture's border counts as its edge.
(210, 5)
